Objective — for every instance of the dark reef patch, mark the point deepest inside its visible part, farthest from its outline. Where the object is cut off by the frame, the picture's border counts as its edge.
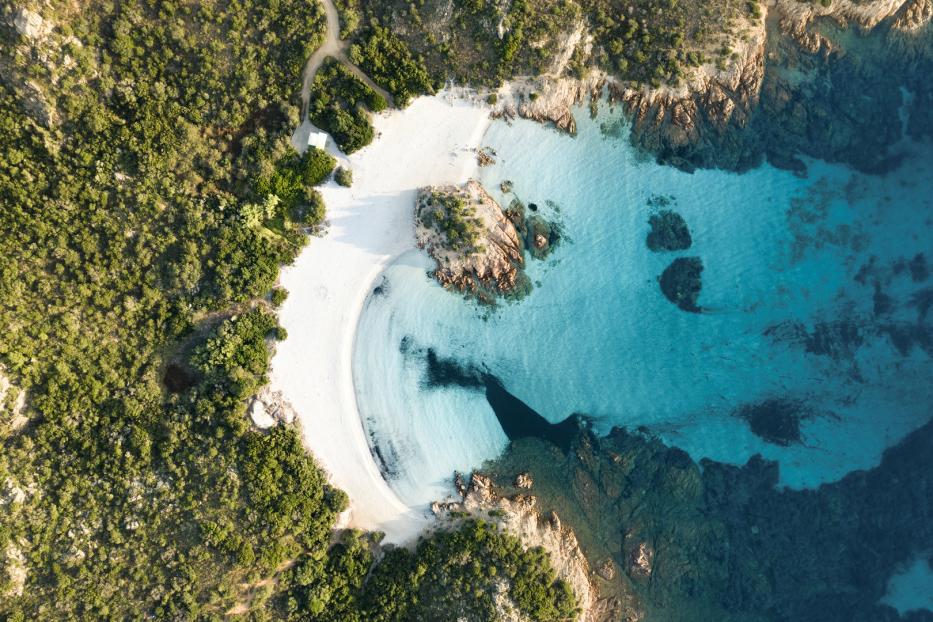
(904, 337)
(922, 300)
(711, 541)
(775, 420)
(681, 283)
(518, 420)
(448, 372)
(839, 339)
(669, 232)
(919, 271)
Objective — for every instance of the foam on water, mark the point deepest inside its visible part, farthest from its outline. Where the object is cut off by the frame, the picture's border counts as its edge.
(791, 268)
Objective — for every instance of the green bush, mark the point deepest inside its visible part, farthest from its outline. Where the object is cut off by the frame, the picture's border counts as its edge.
(344, 177)
(316, 166)
(278, 296)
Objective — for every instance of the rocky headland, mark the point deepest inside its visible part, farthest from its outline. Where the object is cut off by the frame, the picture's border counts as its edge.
(831, 82)
(672, 539)
(519, 515)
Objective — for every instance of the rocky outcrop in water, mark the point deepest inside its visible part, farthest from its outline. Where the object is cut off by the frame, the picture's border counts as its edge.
(477, 249)
(669, 232)
(539, 235)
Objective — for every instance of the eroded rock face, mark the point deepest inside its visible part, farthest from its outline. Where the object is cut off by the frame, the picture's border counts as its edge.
(519, 516)
(549, 100)
(476, 248)
(797, 83)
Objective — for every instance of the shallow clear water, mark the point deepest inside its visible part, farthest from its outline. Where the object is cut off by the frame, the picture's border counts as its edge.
(596, 336)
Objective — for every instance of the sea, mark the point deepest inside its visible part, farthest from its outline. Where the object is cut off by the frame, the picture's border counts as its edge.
(812, 344)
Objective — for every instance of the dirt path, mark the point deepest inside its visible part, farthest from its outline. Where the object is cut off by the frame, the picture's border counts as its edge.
(336, 47)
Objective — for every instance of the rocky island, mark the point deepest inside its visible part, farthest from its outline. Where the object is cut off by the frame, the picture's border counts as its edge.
(477, 248)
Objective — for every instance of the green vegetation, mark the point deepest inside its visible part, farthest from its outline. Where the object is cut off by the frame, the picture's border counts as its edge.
(344, 177)
(339, 104)
(150, 196)
(316, 166)
(456, 576)
(483, 43)
(390, 63)
(450, 213)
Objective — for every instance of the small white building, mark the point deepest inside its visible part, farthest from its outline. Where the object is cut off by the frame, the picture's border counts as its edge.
(317, 139)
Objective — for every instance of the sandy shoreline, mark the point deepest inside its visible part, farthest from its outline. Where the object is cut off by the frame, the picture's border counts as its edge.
(369, 224)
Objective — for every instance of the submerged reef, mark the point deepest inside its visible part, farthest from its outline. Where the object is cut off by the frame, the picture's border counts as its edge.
(518, 420)
(539, 235)
(775, 420)
(672, 539)
(681, 283)
(669, 232)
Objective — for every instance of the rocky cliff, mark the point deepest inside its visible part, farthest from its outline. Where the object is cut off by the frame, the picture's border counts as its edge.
(672, 539)
(803, 79)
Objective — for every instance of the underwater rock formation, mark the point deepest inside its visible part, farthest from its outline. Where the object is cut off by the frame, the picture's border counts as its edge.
(669, 232)
(681, 282)
(775, 420)
(539, 235)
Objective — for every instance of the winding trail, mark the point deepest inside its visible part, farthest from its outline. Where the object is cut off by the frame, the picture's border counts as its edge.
(337, 48)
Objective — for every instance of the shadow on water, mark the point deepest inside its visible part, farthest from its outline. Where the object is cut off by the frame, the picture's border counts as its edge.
(518, 419)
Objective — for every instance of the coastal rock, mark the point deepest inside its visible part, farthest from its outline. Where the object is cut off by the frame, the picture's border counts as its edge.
(726, 540)
(640, 561)
(914, 15)
(524, 481)
(485, 156)
(269, 408)
(476, 248)
(548, 100)
(520, 516)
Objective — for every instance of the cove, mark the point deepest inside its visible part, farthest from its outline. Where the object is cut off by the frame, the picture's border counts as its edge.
(808, 312)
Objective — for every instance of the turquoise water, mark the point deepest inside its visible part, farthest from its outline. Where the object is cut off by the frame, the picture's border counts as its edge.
(911, 589)
(789, 264)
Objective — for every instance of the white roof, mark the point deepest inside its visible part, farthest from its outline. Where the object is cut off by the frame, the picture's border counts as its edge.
(317, 139)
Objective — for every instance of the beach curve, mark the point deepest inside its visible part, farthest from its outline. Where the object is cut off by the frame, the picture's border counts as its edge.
(433, 141)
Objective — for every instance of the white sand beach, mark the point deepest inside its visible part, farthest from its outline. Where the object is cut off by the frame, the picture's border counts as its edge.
(430, 142)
